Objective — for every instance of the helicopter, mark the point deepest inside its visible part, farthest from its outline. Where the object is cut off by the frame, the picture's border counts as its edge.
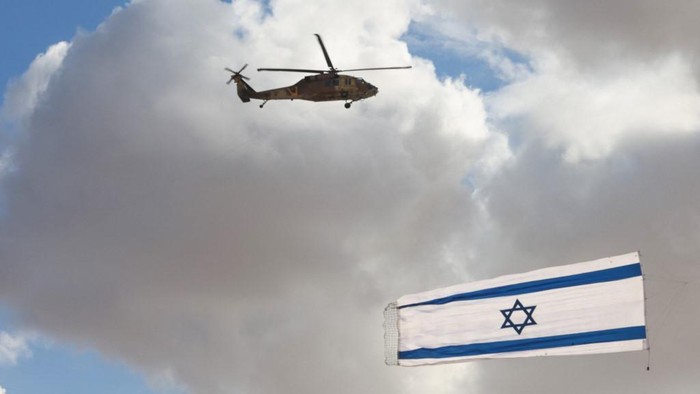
(325, 85)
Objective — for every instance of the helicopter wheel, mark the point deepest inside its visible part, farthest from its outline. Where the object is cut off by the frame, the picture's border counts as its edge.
(347, 105)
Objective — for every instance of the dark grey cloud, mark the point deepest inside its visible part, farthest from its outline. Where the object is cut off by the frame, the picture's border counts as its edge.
(154, 217)
(604, 135)
(640, 198)
(593, 33)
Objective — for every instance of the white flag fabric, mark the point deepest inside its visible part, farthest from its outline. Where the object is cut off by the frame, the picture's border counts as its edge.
(584, 308)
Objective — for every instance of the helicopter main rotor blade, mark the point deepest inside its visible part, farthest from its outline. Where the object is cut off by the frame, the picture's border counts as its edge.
(325, 53)
(294, 70)
(376, 68)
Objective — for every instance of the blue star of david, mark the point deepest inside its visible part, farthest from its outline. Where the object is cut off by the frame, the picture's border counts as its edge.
(518, 306)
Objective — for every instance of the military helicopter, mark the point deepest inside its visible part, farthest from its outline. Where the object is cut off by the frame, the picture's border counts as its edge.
(326, 85)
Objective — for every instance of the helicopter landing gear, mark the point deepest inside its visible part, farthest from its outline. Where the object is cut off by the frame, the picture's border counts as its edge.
(347, 105)
(264, 102)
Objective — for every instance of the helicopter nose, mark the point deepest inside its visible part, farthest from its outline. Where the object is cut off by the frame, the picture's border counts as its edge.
(373, 90)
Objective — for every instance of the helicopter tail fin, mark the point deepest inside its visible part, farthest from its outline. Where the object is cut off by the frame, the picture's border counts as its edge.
(245, 91)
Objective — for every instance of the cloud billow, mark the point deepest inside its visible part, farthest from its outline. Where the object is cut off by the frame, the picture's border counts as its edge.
(153, 216)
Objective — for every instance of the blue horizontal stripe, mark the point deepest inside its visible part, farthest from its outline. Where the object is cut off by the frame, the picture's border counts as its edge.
(476, 349)
(586, 278)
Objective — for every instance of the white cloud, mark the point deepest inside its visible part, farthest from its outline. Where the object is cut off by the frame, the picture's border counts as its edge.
(166, 381)
(23, 94)
(592, 35)
(587, 115)
(13, 347)
(591, 81)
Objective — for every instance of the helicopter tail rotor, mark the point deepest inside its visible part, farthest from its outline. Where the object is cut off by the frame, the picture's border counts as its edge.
(236, 74)
(245, 91)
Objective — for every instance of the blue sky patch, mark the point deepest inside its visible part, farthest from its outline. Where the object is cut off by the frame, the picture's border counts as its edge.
(29, 27)
(58, 368)
(453, 58)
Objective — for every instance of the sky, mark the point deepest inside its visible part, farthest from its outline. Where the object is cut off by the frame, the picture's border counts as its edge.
(157, 235)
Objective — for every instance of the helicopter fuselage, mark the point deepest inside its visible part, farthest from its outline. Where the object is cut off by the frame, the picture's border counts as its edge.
(321, 87)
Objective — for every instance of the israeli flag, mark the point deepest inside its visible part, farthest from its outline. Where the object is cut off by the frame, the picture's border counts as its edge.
(584, 308)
